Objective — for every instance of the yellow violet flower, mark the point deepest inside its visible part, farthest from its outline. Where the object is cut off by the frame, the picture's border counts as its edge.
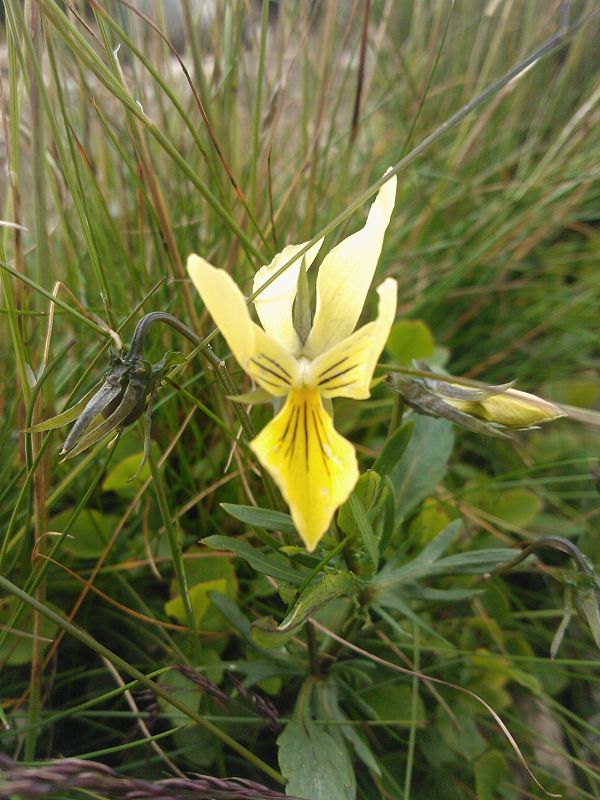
(314, 467)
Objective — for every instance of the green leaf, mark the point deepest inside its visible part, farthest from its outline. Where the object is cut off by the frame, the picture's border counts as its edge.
(272, 565)
(395, 572)
(517, 506)
(200, 570)
(356, 519)
(464, 738)
(328, 697)
(410, 339)
(122, 478)
(90, 533)
(393, 703)
(65, 417)
(199, 600)
(314, 760)
(232, 613)
(393, 449)
(17, 648)
(261, 517)
(490, 770)
(428, 563)
(423, 463)
(335, 584)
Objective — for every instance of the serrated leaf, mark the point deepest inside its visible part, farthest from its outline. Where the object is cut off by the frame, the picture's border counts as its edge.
(266, 633)
(261, 517)
(272, 564)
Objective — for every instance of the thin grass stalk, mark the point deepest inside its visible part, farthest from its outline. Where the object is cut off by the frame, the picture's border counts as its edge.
(414, 710)
(88, 641)
(176, 551)
(260, 77)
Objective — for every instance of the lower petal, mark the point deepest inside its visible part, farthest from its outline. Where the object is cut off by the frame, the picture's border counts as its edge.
(314, 467)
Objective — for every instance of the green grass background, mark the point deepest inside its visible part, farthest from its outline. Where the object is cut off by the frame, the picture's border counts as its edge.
(120, 157)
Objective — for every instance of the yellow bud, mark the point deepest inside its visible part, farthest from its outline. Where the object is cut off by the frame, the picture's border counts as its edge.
(512, 408)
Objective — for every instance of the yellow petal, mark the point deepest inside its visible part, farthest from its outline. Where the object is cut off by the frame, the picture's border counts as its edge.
(257, 353)
(226, 305)
(346, 274)
(274, 304)
(347, 368)
(271, 366)
(314, 467)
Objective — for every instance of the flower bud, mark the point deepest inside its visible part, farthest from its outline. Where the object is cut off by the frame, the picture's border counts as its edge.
(485, 409)
(510, 408)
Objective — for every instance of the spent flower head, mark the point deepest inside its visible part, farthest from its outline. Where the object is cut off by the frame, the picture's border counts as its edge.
(308, 361)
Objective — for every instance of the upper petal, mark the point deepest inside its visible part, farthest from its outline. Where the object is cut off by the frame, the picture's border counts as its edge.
(273, 368)
(274, 304)
(226, 305)
(346, 274)
(346, 369)
(314, 467)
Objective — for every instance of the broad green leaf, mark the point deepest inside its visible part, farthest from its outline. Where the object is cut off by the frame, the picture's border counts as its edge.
(271, 564)
(261, 517)
(517, 506)
(201, 569)
(268, 634)
(490, 770)
(464, 738)
(122, 478)
(410, 339)
(393, 703)
(393, 449)
(426, 525)
(314, 760)
(327, 694)
(423, 463)
(199, 600)
(90, 533)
